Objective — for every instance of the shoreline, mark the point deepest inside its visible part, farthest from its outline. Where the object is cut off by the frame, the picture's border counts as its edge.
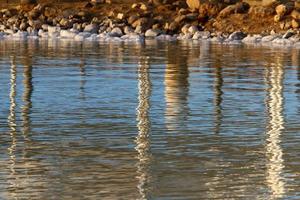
(289, 39)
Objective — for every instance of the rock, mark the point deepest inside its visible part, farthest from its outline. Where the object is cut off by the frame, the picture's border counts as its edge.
(297, 5)
(277, 18)
(270, 3)
(295, 14)
(132, 19)
(227, 11)
(65, 23)
(193, 4)
(53, 29)
(143, 7)
(238, 35)
(151, 33)
(24, 2)
(192, 16)
(128, 30)
(143, 22)
(45, 27)
(242, 7)
(201, 35)
(285, 25)
(173, 26)
(36, 24)
(180, 18)
(281, 10)
(284, 9)
(23, 26)
(138, 30)
(134, 6)
(50, 12)
(120, 16)
(116, 32)
(185, 29)
(193, 29)
(295, 24)
(288, 34)
(268, 38)
(260, 11)
(210, 9)
(252, 39)
(91, 28)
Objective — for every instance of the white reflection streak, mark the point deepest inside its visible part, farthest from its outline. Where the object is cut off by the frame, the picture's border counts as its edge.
(12, 121)
(275, 162)
(143, 124)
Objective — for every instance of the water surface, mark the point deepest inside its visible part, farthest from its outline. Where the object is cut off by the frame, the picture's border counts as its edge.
(148, 121)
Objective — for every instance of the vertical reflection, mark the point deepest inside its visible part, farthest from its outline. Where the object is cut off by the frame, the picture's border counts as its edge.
(218, 84)
(28, 88)
(12, 123)
(274, 103)
(176, 94)
(82, 80)
(143, 123)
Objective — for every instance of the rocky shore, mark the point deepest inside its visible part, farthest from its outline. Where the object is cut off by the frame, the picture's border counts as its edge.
(274, 21)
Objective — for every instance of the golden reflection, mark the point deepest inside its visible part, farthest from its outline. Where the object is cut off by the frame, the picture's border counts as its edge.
(176, 94)
(274, 103)
(12, 125)
(143, 123)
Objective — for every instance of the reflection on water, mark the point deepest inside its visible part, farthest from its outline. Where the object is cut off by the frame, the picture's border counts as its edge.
(176, 92)
(218, 83)
(274, 152)
(13, 182)
(143, 143)
(153, 121)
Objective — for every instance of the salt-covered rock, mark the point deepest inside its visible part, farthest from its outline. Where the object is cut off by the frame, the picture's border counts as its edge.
(67, 34)
(128, 30)
(53, 29)
(91, 28)
(269, 38)
(288, 34)
(282, 41)
(116, 32)
(193, 29)
(237, 35)
(151, 33)
(252, 39)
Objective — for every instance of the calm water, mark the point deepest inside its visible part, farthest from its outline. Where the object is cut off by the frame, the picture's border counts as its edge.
(151, 121)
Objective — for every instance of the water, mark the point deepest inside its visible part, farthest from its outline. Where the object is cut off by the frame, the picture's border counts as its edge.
(148, 121)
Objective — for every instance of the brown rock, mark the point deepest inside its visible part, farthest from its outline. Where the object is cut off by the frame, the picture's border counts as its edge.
(284, 9)
(260, 11)
(193, 4)
(297, 5)
(227, 11)
(277, 18)
(270, 3)
(210, 9)
(295, 23)
(295, 14)
(241, 7)
(24, 2)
